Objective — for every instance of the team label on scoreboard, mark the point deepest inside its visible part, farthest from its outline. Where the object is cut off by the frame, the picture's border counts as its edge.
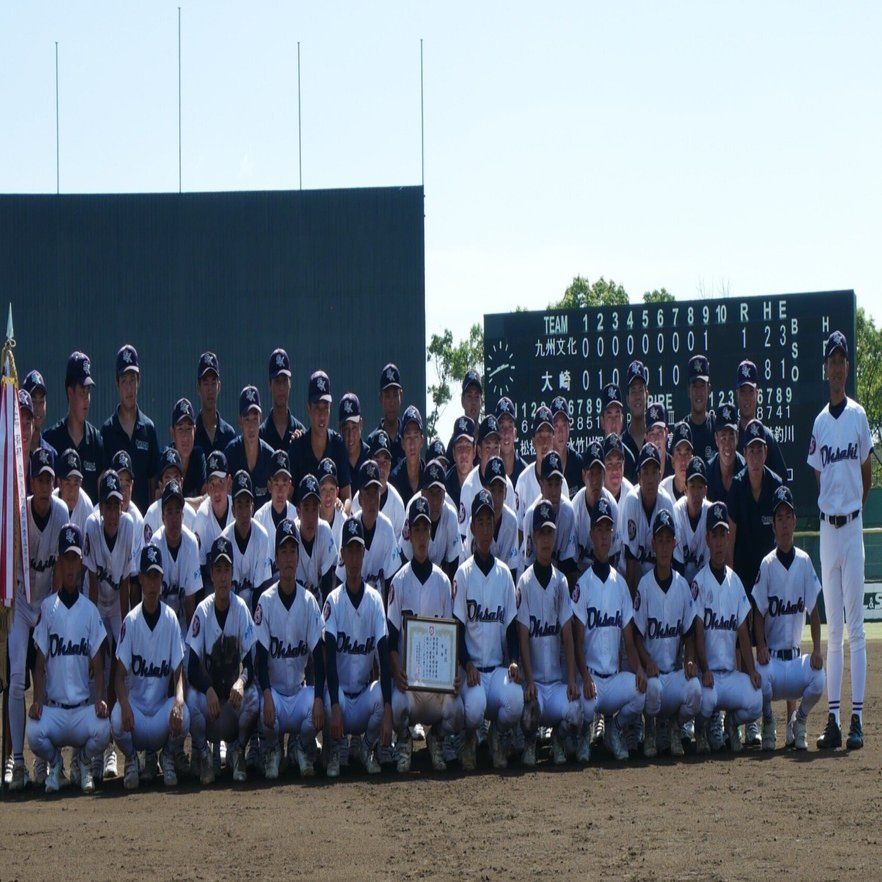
(534, 356)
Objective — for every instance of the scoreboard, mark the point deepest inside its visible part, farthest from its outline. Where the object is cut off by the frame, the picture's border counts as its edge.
(534, 356)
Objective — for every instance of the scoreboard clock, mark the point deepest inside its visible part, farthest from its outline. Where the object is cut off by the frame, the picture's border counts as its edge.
(534, 356)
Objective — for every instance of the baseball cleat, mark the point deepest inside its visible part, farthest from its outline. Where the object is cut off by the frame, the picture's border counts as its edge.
(206, 767)
(753, 739)
(41, 769)
(790, 738)
(418, 732)
(305, 760)
(332, 769)
(770, 735)
(715, 736)
(169, 775)
(649, 748)
(252, 760)
(735, 744)
(558, 747)
(855, 740)
(218, 753)
(799, 737)
(497, 751)
(87, 780)
(583, 750)
(18, 778)
(271, 762)
(662, 731)
(614, 741)
(677, 737)
(528, 757)
(468, 758)
(702, 745)
(405, 751)
(53, 775)
(832, 736)
(131, 776)
(148, 770)
(97, 763)
(240, 768)
(110, 768)
(7, 770)
(436, 751)
(182, 762)
(598, 729)
(368, 758)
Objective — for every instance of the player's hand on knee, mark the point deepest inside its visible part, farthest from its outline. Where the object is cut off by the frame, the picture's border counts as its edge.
(36, 710)
(386, 726)
(689, 670)
(473, 677)
(336, 722)
(101, 708)
(707, 679)
(401, 680)
(762, 655)
(457, 685)
(817, 660)
(641, 680)
(651, 669)
(213, 703)
(175, 719)
(572, 691)
(757, 680)
(318, 714)
(589, 690)
(128, 718)
(237, 693)
(269, 710)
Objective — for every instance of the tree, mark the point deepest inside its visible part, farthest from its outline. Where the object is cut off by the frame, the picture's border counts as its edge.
(582, 293)
(658, 295)
(450, 362)
(868, 377)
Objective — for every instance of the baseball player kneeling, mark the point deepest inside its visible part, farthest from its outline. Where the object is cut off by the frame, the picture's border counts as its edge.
(603, 618)
(68, 638)
(420, 588)
(485, 606)
(724, 606)
(545, 630)
(150, 658)
(288, 623)
(222, 697)
(786, 591)
(664, 616)
(355, 637)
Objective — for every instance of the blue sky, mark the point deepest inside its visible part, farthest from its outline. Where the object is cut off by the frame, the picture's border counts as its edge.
(701, 147)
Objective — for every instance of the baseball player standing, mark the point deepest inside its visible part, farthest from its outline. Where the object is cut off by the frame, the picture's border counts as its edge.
(280, 427)
(690, 520)
(407, 476)
(70, 490)
(317, 548)
(727, 461)
(149, 659)
(215, 512)
(700, 419)
(839, 453)
(351, 425)
(635, 436)
(593, 472)
(278, 508)
(746, 396)
(330, 507)
(391, 396)
(508, 439)
(562, 421)
(35, 386)
(462, 443)
(212, 431)
(171, 469)
(249, 451)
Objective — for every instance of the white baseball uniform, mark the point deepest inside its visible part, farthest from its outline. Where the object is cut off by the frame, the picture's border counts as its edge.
(153, 519)
(150, 657)
(266, 518)
(81, 510)
(207, 527)
(564, 535)
(691, 538)
(392, 506)
(137, 530)
(504, 546)
(181, 576)
(69, 638)
(723, 607)
(838, 448)
(316, 559)
(544, 611)
(527, 491)
(664, 618)
(337, 528)
(382, 558)
(486, 605)
(584, 545)
(785, 597)
(252, 567)
(408, 596)
(445, 542)
(636, 527)
(469, 490)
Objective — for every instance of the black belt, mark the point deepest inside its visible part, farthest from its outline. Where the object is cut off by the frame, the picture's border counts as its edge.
(353, 695)
(599, 674)
(67, 706)
(786, 654)
(489, 670)
(839, 520)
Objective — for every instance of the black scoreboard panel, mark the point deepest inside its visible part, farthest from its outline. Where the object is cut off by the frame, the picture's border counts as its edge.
(534, 356)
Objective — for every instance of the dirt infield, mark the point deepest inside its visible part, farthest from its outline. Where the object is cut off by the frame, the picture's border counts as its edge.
(801, 816)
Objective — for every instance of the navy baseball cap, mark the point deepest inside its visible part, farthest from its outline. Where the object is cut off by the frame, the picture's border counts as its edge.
(308, 487)
(127, 360)
(699, 368)
(613, 444)
(543, 516)
(69, 464)
(433, 475)
(350, 408)
(170, 459)
(208, 362)
(559, 405)
(369, 474)
(70, 539)
(380, 443)
(488, 428)
(249, 399)
(836, 341)
(717, 516)
(637, 371)
(505, 407)
(494, 472)
(327, 468)
(79, 370)
(551, 465)
(783, 496)
(648, 453)
(612, 396)
(663, 520)
(279, 365)
(754, 432)
(34, 381)
(172, 491)
(109, 487)
(122, 462)
(281, 463)
(594, 455)
(541, 418)
(437, 450)
(183, 410)
(656, 415)
(601, 511)
(682, 434)
(464, 427)
(24, 401)
(216, 465)
(151, 559)
(696, 469)
(242, 484)
(319, 387)
(42, 460)
(411, 415)
(285, 531)
(353, 531)
(390, 376)
(482, 500)
(727, 417)
(747, 375)
(418, 510)
(472, 378)
(221, 549)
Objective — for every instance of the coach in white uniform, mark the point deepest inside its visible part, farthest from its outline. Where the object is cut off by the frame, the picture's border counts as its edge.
(839, 453)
